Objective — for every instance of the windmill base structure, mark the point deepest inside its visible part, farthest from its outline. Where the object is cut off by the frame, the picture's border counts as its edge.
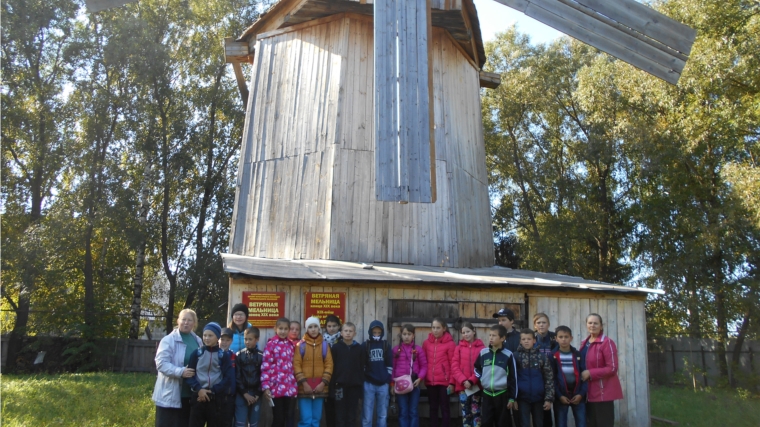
(310, 234)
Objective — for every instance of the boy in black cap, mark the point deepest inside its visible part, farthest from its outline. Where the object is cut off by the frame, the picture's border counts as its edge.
(507, 319)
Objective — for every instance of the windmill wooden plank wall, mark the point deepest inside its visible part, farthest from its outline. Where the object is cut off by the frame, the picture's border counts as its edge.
(306, 179)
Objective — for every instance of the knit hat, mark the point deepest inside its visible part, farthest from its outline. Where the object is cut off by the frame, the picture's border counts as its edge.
(227, 332)
(215, 328)
(239, 307)
(312, 321)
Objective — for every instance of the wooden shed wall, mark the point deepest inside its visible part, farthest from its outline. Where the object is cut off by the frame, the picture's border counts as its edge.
(306, 175)
(623, 317)
(625, 323)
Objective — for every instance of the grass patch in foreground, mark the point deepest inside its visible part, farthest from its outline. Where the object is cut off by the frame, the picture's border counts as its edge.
(714, 407)
(93, 399)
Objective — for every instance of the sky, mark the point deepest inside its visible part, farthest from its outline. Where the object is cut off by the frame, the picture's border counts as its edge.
(495, 17)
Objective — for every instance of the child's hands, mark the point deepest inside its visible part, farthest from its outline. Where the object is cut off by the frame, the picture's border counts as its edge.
(203, 395)
(585, 375)
(512, 405)
(417, 382)
(467, 384)
(563, 400)
(576, 399)
(188, 373)
(268, 394)
(320, 387)
(449, 389)
(307, 388)
(547, 406)
(249, 400)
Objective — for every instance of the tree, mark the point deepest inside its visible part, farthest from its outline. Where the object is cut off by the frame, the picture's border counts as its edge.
(36, 124)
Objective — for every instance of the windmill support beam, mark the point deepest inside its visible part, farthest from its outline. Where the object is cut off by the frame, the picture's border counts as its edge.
(625, 29)
(235, 53)
(489, 80)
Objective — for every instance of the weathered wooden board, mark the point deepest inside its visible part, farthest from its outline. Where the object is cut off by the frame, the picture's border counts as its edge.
(306, 173)
(625, 29)
(404, 156)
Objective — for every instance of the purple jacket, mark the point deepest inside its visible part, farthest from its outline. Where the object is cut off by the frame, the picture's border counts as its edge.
(401, 354)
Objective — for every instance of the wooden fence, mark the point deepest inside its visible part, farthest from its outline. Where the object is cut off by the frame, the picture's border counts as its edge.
(695, 362)
(119, 354)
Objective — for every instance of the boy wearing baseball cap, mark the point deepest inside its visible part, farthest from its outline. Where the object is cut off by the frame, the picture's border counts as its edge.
(507, 319)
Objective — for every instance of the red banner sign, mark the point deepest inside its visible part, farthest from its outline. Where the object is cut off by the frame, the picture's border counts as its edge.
(264, 308)
(323, 304)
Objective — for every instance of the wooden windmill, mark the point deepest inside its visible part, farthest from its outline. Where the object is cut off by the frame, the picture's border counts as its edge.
(352, 106)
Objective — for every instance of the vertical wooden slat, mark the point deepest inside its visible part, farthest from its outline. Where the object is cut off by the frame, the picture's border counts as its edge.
(403, 145)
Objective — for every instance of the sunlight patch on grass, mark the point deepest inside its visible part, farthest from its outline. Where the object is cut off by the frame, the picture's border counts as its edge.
(93, 399)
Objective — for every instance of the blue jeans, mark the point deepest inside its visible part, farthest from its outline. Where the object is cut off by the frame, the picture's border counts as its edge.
(311, 411)
(246, 415)
(407, 408)
(579, 414)
(375, 393)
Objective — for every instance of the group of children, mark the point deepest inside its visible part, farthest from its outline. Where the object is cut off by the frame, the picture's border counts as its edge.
(519, 375)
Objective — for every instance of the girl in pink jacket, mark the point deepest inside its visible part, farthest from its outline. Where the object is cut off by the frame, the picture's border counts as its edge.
(277, 379)
(439, 349)
(604, 388)
(406, 356)
(463, 370)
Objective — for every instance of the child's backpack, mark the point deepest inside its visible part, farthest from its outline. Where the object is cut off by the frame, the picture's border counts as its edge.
(219, 352)
(302, 349)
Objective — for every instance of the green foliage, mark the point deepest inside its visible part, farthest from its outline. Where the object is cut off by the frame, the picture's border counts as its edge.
(605, 172)
(95, 399)
(98, 109)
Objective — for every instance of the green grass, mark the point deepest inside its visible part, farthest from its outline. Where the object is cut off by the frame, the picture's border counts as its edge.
(105, 399)
(95, 399)
(711, 408)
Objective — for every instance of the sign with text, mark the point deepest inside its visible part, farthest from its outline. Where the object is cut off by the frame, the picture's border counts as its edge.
(323, 304)
(264, 308)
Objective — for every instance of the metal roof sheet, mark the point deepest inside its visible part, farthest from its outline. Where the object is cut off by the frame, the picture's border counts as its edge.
(344, 271)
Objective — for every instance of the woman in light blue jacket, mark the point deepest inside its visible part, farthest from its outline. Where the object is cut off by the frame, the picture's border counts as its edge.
(238, 324)
(171, 393)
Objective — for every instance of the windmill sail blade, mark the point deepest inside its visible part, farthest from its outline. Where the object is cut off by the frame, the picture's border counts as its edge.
(98, 5)
(625, 29)
(404, 156)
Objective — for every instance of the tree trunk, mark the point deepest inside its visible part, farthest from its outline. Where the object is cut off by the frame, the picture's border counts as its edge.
(137, 281)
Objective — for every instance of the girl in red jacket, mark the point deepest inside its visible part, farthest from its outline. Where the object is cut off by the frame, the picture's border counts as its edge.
(462, 368)
(439, 349)
(600, 354)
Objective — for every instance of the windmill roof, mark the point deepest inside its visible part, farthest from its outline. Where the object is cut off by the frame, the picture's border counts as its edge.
(458, 17)
(345, 271)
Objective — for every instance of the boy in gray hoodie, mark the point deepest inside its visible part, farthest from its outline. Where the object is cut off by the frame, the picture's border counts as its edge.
(214, 378)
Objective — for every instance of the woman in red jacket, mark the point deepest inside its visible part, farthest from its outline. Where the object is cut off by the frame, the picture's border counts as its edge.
(439, 349)
(463, 370)
(600, 354)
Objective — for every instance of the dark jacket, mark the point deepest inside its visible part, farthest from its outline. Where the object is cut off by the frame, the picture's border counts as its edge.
(496, 372)
(547, 344)
(512, 342)
(248, 371)
(579, 365)
(379, 358)
(214, 370)
(348, 364)
(535, 376)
